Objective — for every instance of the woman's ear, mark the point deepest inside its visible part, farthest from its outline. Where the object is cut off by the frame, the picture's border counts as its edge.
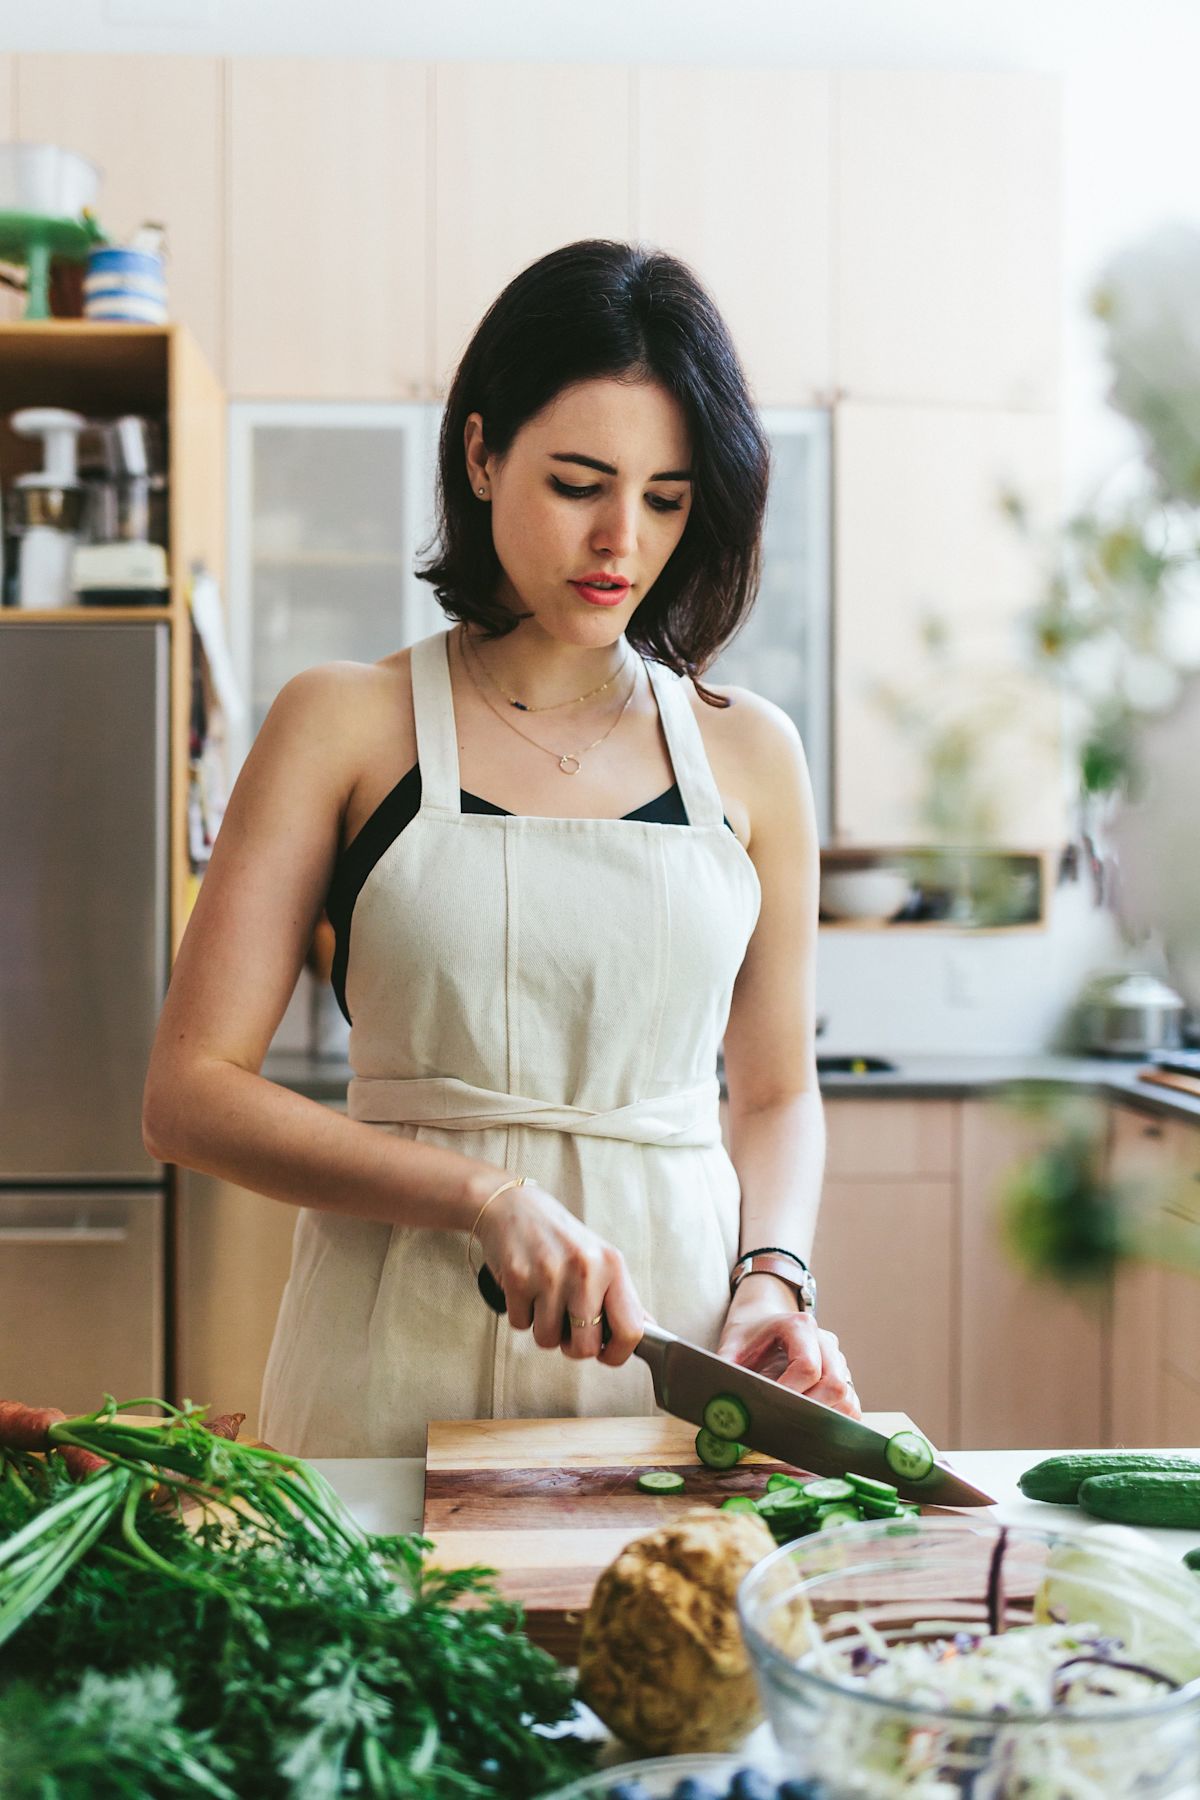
(476, 449)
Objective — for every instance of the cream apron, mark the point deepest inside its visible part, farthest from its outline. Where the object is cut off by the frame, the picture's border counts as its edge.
(548, 995)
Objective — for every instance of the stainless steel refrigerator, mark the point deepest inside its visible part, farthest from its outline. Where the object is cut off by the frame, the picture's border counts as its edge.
(84, 959)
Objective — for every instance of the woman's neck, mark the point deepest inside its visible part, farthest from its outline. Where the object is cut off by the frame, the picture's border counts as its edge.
(541, 672)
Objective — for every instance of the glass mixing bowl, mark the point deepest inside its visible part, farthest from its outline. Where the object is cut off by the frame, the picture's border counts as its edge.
(928, 1578)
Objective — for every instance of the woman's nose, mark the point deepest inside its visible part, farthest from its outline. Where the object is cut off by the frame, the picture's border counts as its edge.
(615, 532)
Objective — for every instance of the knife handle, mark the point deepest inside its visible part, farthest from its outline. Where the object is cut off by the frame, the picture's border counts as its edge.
(493, 1293)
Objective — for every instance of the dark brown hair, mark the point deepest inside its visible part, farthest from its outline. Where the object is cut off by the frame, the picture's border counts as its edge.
(604, 309)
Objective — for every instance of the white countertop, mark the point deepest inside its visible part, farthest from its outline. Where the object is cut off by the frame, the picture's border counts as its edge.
(387, 1495)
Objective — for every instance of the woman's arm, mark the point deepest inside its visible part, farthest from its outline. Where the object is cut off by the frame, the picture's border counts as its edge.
(776, 1123)
(207, 1107)
(205, 1104)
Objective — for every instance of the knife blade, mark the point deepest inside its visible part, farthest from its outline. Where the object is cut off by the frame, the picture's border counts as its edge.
(798, 1431)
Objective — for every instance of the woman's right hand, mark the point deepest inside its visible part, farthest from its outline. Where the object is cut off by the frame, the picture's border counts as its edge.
(549, 1264)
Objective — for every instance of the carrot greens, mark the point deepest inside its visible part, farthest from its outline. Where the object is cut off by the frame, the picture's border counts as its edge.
(203, 1616)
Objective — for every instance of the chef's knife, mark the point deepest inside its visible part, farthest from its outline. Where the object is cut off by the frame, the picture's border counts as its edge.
(800, 1432)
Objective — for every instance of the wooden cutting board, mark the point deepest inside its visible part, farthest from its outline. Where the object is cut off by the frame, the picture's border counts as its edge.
(1172, 1078)
(548, 1503)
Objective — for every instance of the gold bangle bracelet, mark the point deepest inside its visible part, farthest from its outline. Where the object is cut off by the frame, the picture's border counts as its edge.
(517, 1181)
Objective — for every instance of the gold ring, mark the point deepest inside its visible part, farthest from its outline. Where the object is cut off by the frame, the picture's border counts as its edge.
(582, 1322)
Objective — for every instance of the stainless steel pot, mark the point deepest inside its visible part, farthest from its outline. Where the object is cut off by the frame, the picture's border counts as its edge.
(1131, 1015)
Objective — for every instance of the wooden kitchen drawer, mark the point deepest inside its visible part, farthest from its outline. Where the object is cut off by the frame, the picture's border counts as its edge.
(886, 1139)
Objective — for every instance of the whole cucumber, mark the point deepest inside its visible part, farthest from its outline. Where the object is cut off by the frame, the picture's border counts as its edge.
(1057, 1478)
(1153, 1497)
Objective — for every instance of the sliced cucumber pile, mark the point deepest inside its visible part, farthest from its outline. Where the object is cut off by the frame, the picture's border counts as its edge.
(793, 1507)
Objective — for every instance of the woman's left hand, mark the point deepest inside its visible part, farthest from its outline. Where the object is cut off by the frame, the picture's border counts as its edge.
(765, 1332)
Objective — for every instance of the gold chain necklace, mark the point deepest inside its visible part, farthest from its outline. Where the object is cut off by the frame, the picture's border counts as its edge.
(523, 707)
(562, 757)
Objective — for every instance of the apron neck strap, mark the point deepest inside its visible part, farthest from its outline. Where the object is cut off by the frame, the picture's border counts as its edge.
(433, 715)
(437, 737)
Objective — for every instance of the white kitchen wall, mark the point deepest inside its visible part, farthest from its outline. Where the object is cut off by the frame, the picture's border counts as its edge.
(1129, 145)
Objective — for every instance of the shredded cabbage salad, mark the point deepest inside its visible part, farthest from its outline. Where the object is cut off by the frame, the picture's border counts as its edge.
(1028, 1669)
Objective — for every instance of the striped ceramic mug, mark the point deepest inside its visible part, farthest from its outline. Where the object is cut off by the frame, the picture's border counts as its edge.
(125, 284)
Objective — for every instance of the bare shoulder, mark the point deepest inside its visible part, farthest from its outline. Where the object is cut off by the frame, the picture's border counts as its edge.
(757, 751)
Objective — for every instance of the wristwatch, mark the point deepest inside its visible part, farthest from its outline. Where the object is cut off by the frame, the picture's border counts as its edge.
(785, 1265)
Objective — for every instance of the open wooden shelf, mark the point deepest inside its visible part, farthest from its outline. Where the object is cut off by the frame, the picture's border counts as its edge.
(106, 370)
(947, 869)
(84, 615)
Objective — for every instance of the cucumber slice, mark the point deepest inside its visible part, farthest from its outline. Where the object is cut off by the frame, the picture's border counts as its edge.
(829, 1487)
(717, 1452)
(781, 1505)
(660, 1481)
(739, 1503)
(909, 1454)
(726, 1417)
(878, 1490)
(1191, 1560)
(834, 1517)
(879, 1509)
(780, 1480)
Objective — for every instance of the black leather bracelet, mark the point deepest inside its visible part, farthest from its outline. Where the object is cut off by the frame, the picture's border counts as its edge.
(771, 1250)
(805, 1286)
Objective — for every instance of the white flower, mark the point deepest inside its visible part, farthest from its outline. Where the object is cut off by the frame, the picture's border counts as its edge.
(1157, 840)
(1179, 624)
(1149, 684)
(1149, 298)
(1094, 667)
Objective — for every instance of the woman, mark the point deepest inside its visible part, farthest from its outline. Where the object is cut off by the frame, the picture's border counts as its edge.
(538, 971)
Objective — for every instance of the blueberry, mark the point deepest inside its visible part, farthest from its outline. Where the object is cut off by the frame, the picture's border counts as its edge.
(628, 1790)
(810, 1789)
(748, 1784)
(692, 1789)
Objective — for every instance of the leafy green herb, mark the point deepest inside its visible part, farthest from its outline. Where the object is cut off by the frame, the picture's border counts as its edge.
(275, 1649)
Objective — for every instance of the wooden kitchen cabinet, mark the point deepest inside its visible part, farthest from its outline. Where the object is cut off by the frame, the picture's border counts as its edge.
(918, 531)
(733, 175)
(234, 1253)
(1032, 1352)
(947, 239)
(1155, 1334)
(154, 125)
(104, 370)
(1154, 1347)
(885, 1253)
(884, 1260)
(520, 168)
(327, 207)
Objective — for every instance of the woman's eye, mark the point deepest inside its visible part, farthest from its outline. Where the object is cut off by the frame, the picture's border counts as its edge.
(581, 493)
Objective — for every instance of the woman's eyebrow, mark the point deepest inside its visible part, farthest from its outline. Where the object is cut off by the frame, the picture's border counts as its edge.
(589, 462)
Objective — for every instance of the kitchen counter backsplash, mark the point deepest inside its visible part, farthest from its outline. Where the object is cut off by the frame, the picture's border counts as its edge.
(929, 1077)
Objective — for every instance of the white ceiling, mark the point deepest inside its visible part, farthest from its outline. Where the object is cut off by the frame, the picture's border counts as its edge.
(979, 34)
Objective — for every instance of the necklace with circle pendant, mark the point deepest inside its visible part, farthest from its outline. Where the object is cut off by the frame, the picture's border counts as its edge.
(562, 757)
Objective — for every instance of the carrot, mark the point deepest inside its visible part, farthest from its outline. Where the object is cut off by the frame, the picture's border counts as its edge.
(28, 1428)
(225, 1425)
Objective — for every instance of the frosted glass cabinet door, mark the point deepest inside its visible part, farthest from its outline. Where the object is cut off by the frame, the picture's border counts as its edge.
(782, 652)
(331, 508)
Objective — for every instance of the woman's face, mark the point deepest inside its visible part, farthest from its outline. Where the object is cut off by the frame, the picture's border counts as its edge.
(557, 515)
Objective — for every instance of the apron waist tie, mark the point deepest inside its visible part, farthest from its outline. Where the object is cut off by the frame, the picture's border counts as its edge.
(686, 1116)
